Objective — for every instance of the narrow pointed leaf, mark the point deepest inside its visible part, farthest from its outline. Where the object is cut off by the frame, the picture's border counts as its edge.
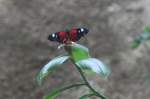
(50, 66)
(87, 96)
(78, 52)
(94, 65)
(53, 95)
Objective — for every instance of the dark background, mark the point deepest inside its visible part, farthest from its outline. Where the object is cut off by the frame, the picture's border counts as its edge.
(24, 48)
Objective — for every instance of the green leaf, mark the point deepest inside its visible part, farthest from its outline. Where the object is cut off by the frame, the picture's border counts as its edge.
(78, 52)
(140, 39)
(146, 35)
(52, 95)
(135, 44)
(88, 72)
(147, 29)
(94, 65)
(50, 66)
(87, 96)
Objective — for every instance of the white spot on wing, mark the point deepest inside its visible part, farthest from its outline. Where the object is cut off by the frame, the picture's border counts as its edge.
(53, 35)
(82, 29)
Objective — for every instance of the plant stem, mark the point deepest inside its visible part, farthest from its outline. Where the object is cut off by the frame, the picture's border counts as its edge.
(65, 88)
(88, 85)
(71, 86)
(69, 50)
(87, 95)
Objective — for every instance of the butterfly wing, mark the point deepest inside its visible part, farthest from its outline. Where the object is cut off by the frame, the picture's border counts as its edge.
(63, 36)
(74, 35)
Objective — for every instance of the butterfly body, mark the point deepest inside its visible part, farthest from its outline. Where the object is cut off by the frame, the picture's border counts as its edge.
(73, 35)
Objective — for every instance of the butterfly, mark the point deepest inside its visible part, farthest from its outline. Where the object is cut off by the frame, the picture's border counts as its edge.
(71, 35)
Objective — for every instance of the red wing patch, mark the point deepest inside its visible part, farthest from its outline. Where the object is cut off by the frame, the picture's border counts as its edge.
(73, 35)
(63, 36)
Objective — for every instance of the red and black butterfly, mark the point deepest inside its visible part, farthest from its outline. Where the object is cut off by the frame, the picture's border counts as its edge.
(69, 35)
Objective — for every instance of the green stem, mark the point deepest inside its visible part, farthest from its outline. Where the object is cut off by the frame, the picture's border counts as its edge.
(69, 50)
(63, 89)
(88, 85)
(71, 86)
(87, 95)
